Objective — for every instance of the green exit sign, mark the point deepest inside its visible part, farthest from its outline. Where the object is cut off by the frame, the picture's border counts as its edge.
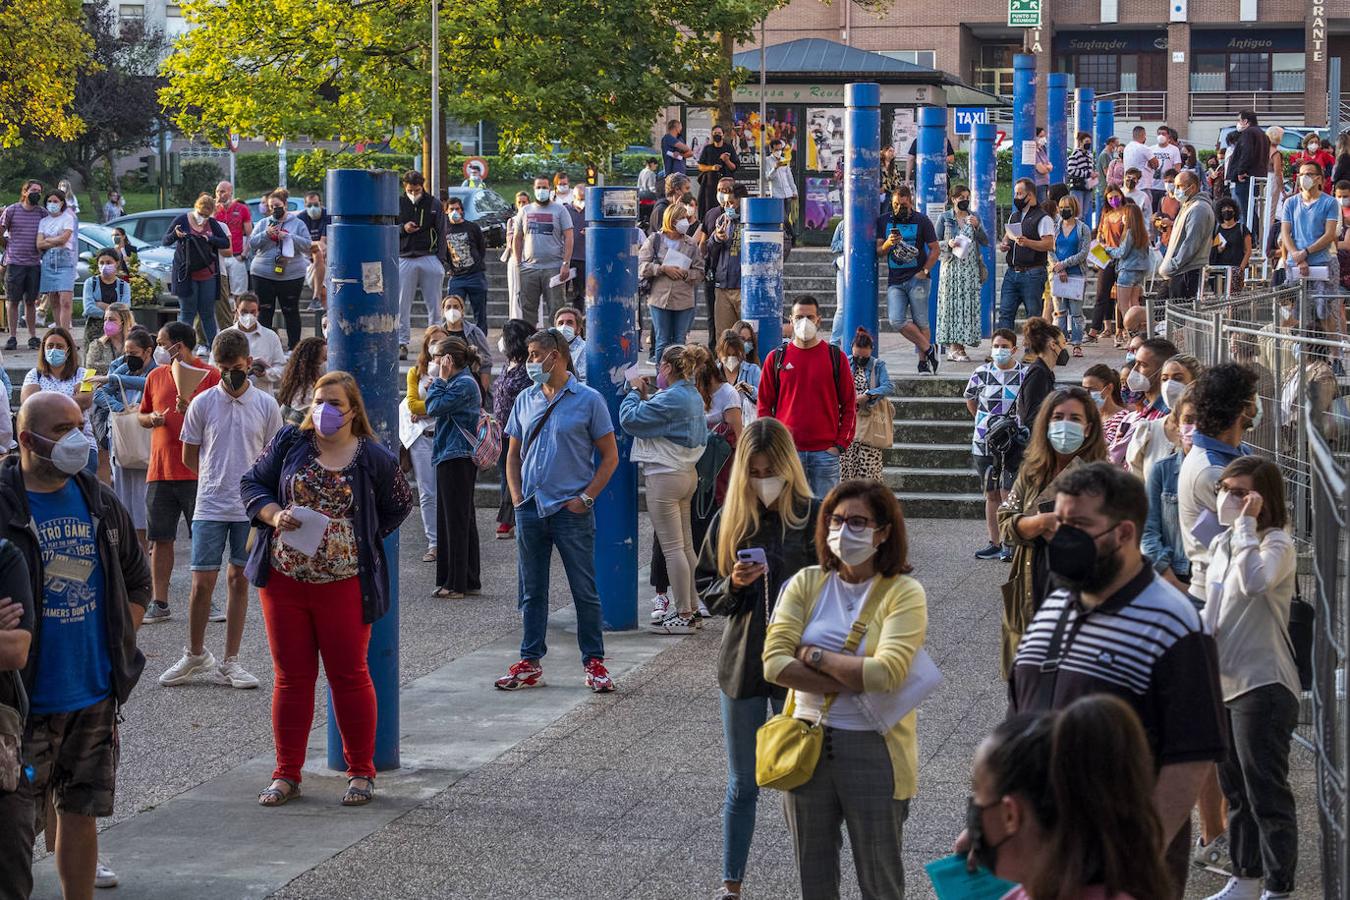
(1024, 13)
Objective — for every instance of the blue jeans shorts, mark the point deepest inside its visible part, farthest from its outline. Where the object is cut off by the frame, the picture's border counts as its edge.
(1129, 279)
(908, 300)
(208, 544)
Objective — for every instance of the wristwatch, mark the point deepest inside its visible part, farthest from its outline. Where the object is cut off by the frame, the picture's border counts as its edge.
(589, 501)
(814, 657)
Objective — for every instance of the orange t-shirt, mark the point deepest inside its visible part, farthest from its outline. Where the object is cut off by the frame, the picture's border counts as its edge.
(1111, 231)
(161, 395)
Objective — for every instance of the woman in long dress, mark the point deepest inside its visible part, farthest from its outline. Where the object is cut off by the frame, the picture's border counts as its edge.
(958, 318)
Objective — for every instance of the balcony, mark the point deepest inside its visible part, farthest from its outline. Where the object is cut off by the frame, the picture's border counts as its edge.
(1285, 107)
(1138, 106)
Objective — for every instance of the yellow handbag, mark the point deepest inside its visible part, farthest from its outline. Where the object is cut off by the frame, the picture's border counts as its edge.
(787, 748)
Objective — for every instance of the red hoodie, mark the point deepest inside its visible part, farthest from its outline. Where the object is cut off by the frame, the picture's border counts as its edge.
(818, 409)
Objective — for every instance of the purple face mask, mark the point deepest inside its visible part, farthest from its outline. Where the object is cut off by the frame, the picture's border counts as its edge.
(328, 419)
(661, 382)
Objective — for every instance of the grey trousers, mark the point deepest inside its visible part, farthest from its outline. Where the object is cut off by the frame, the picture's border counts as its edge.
(424, 273)
(534, 288)
(852, 786)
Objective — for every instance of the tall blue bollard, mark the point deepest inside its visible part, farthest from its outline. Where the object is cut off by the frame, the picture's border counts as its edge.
(1105, 125)
(857, 308)
(1024, 115)
(1057, 123)
(983, 174)
(363, 340)
(611, 347)
(762, 270)
(931, 182)
(1083, 113)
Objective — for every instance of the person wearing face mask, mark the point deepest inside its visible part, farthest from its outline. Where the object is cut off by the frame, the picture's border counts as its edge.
(723, 230)
(1167, 152)
(505, 389)
(553, 474)
(58, 369)
(466, 256)
(673, 263)
(843, 638)
(1161, 541)
(23, 260)
(572, 324)
(1066, 433)
(574, 201)
(1131, 259)
(749, 338)
(101, 290)
(83, 662)
(959, 230)
(197, 240)
(1073, 240)
(873, 385)
(512, 261)
(807, 385)
(1111, 229)
(1042, 166)
(235, 215)
(1308, 225)
(1251, 584)
(1080, 174)
(417, 434)
(268, 359)
(456, 325)
(1232, 243)
(1026, 255)
(120, 390)
(1039, 818)
(323, 605)
(454, 400)
(1317, 153)
(1149, 439)
(1144, 381)
(543, 245)
(1191, 239)
(421, 248)
(114, 326)
(1103, 383)
(1045, 352)
(1139, 196)
(281, 247)
(316, 219)
(769, 509)
(990, 394)
(891, 176)
(737, 370)
(908, 242)
(717, 159)
(56, 241)
(1138, 156)
(781, 183)
(224, 430)
(171, 487)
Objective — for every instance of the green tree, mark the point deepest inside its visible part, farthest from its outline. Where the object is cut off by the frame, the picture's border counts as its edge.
(42, 49)
(726, 23)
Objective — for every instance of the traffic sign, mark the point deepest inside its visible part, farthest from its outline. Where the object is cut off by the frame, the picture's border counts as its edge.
(969, 116)
(234, 142)
(1024, 13)
(476, 162)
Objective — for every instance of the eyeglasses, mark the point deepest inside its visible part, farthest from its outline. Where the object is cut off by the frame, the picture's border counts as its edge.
(857, 523)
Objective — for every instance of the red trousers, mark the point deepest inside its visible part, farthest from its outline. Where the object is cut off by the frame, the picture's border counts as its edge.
(306, 622)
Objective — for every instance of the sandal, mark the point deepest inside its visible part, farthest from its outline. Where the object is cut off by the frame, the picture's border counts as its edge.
(1078, 351)
(275, 796)
(356, 796)
(446, 594)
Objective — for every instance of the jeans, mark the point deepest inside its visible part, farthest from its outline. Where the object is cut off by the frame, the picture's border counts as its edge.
(822, 470)
(477, 300)
(1072, 318)
(1084, 198)
(1020, 289)
(1241, 192)
(198, 300)
(908, 299)
(414, 272)
(1262, 821)
(740, 721)
(574, 537)
(424, 470)
(671, 327)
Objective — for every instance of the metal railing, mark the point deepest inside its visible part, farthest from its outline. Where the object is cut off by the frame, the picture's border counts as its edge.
(1138, 106)
(1287, 106)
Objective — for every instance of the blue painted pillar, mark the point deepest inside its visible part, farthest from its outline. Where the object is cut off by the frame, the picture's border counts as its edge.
(1083, 113)
(983, 175)
(762, 270)
(611, 347)
(931, 184)
(1105, 124)
(1024, 114)
(857, 308)
(362, 340)
(1057, 123)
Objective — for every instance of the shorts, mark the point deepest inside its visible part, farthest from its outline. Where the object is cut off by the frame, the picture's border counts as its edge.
(1129, 279)
(23, 283)
(208, 544)
(988, 482)
(908, 300)
(58, 271)
(74, 756)
(236, 275)
(165, 501)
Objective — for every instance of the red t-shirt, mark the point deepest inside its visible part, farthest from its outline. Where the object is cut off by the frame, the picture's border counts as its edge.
(237, 221)
(161, 395)
(817, 409)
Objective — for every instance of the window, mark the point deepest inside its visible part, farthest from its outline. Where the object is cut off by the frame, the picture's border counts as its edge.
(131, 11)
(1208, 71)
(1099, 71)
(925, 58)
(1249, 71)
(173, 12)
(1286, 72)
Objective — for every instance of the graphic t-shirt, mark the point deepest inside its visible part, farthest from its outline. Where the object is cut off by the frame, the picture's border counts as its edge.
(910, 250)
(73, 667)
(994, 391)
(543, 226)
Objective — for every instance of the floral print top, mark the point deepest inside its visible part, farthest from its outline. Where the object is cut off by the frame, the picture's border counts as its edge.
(329, 492)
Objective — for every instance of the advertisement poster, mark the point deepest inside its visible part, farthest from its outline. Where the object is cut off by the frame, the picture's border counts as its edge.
(697, 129)
(903, 131)
(824, 202)
(748, 136)
(824, 140)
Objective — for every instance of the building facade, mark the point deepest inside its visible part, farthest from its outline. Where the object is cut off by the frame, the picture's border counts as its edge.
(1190, 63)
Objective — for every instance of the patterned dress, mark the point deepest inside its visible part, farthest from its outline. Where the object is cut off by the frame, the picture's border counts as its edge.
(958, 314)
(860, 460)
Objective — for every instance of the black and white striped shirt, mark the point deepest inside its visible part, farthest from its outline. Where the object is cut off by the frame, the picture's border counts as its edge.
(1145, 644)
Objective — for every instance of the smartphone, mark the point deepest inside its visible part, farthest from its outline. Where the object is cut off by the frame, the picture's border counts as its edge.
(754, 555)
(1045, 506)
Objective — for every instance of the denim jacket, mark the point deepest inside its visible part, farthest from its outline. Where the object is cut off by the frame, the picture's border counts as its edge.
(1161, 541)
(1128, 257)
(675, 413)
(377, 508)
(109, 395)
(454, 404)
(878, 379)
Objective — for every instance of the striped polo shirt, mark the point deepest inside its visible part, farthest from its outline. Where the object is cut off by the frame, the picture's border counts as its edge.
(1144, 644)
(22, 227)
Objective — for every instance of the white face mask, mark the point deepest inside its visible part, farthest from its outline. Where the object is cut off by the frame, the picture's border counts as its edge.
(568, 332)
(162, 357)
(804, 329)
(413, 197)
(852, 547)
(453, 315)
(501, 344)
(1313, 146)
(1229, 508)
(1137, 381)
(71, 453)
(563, 193)
(682, 226)
(769, 488)
(247, 321)
(541, 194)
(1307, 182)
(1172, 391)
(731, 363)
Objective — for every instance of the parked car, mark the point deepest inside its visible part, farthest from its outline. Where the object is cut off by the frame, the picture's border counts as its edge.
(155, 261)
(1291, 142)
(150, 226)
(489, 209)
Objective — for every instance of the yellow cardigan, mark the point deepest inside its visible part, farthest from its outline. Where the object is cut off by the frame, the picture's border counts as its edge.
(895, 633)
(416, 405)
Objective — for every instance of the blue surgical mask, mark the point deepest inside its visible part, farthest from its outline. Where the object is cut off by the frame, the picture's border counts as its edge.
(1098, 398)
(1001, 355)
(54, 208)
(1066, 436)
(1129, 357)
(314, 211)
(56, 357)
(749, 347)
(536, 372)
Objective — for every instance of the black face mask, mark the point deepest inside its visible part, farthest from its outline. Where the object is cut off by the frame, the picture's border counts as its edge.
(1063, 358)
(1020, 202)
(1065, 212)
(1077, 564)
(902, 213)
(963, 205)
(234, 379)
(985, 854)
(717, 138)
(134, 363)
(34, 198)
(279, 213)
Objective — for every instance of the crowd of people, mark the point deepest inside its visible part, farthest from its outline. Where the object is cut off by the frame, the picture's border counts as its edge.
(1144, 619)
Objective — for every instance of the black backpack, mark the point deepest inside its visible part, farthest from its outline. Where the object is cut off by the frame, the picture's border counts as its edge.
(1301, 619)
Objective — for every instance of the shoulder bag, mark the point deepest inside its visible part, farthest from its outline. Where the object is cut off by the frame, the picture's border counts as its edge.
(787, 748)
(876, 421)
(130, 441)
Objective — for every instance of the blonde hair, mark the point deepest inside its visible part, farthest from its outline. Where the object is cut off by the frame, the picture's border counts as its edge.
(675, 212)
(205, 205)
(124, 317)
(741, 509)
(360, 423)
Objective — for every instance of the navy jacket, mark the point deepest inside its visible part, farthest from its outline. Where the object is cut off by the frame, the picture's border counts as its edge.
(193, 251)
(377, 511)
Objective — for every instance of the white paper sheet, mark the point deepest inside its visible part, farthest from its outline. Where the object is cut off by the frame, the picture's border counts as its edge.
(1013, 230)
(1071, 289)
(558, 279)
(1028, 153)
(1098, 258)
(962, 247)
(884, 710)
(1206, 527)
(1315, 273)
(309, 535)
(676, 258)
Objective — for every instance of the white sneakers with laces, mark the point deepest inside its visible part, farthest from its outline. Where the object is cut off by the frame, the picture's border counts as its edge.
(660, 607)
(236, 676)
(187, 667)
(1239, 889)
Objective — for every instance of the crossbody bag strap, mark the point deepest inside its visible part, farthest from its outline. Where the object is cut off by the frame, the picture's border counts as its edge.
(856, 633)
(539, 426)
(1045, 688)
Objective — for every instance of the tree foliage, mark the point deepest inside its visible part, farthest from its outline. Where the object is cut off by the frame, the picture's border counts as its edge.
(42, 49)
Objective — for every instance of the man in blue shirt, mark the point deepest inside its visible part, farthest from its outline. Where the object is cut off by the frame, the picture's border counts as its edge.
(909, 243)
(1307, 233)
(673, 150)
(557, 426)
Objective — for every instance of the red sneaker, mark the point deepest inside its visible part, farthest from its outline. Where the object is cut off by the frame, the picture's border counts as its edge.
(597, 676)
(525, 674)
(505, 532)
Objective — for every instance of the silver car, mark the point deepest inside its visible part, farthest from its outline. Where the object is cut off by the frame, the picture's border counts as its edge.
(155, 261)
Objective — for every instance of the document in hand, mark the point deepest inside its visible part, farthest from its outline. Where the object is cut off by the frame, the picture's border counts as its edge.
(677, 258)
(1072, 289)
(1098, 258)
(1013, 230)
(951, 880)
(558, 279)
(963, 245)
(883, 710)
(309, 535)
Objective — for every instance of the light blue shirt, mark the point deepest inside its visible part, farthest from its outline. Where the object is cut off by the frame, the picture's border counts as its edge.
(675, 413)
(560, 461)
(1308, 222)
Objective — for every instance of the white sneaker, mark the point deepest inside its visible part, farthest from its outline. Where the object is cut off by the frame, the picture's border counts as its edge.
(217, 613)
(703, 610)
(231, 673)
(1239, 889)
(104, 877)
(660, 607)
(182, 671)
(673, 624)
